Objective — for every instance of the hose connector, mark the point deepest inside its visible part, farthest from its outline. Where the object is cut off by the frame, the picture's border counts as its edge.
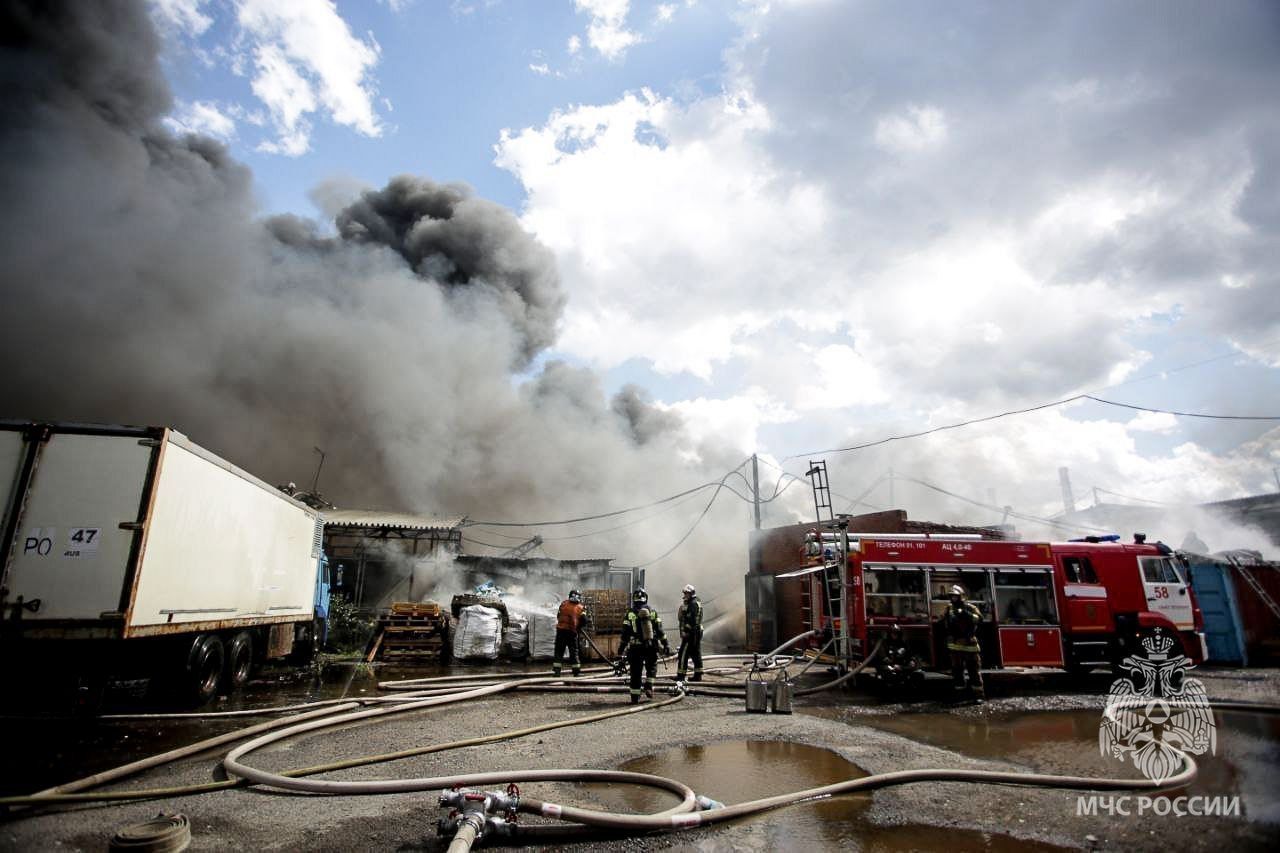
(706, 804)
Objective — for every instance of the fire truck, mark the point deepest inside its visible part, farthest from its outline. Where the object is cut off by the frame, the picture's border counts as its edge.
(1074, 605)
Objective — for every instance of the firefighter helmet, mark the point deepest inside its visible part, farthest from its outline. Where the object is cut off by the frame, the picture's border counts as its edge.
(956, 589)
(575, 596)
(639, 596)
(689, 590)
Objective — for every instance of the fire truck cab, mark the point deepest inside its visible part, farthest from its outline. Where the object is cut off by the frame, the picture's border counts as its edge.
(1075, 605)
(1112, 593)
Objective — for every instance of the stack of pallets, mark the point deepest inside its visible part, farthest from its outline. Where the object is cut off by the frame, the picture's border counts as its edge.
(606, 609)
(411, 630)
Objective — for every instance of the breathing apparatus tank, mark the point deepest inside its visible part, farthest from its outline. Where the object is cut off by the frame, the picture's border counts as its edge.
(644, 624)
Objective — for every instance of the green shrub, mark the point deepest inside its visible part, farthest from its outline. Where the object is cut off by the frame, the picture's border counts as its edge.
(348, 630)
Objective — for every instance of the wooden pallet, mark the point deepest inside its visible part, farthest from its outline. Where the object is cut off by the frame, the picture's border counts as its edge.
(410, 630)
(414, 609)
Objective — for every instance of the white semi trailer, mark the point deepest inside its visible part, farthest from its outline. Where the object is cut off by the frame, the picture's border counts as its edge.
(132, 552)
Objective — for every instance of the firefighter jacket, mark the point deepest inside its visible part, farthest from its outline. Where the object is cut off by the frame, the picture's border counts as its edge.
(962, 625)
(643, 627)
(689, 617)
(570, 616)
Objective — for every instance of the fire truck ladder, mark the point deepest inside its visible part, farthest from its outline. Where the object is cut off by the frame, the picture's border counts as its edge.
(821, 491)
(832, 570)
(1258, 588)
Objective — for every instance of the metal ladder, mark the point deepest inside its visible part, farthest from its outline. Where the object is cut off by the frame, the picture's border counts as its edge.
(832, 570)
(1258, 588)
(821, 491)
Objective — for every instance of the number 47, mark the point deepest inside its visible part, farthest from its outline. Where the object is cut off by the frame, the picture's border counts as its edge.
(84, 535)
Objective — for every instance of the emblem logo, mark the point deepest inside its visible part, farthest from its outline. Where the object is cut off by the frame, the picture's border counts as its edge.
(1156, 712)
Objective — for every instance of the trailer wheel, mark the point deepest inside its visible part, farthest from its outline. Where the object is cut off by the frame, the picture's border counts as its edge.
(239, 660)
(204, 668)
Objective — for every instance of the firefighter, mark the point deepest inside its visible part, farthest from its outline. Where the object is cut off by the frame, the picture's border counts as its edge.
(568, 624)
(961, 623)
(689, 618)
(641, 636)
(898, 667)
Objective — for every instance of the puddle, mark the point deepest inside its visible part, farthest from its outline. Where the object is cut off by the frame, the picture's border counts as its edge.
(1245, 764)
(737, 771)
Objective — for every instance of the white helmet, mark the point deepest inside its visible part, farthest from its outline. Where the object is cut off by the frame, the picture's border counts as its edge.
(689, 590)
(956, 589)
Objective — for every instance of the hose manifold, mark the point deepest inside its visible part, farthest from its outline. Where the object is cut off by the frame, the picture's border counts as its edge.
(488, 813)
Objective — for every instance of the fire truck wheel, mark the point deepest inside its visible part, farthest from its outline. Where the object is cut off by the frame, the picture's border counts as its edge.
(239, 660)
(204, 668)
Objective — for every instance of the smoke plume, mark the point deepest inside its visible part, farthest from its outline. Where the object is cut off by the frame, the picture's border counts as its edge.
(141, 285)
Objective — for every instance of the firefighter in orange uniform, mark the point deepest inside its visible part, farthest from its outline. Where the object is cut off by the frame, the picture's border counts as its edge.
(568, 624)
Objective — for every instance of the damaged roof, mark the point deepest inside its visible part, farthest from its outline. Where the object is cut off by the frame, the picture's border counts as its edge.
(390, 520)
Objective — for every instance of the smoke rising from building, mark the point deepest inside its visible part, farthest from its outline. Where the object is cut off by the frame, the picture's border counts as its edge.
(141, 286)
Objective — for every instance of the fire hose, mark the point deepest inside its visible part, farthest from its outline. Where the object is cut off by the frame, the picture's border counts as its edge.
(683, 815)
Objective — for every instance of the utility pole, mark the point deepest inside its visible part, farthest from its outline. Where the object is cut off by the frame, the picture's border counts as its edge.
(755, 487)
(1275, 472)
(891, 503)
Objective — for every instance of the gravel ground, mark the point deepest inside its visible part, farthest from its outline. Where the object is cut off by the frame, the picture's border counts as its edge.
(877, 736)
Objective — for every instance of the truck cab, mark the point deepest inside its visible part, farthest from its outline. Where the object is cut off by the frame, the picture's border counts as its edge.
(1113, 592)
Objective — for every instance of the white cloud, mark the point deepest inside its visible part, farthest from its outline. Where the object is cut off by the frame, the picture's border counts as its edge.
(655, 209)
(180, 16)
(607, 32)
(203, 117)
(574, 45)
(843, 378)
(734, 421)
(664, 12)
(1152, 422)
(916, 129)
(870, 249)
(306, 61)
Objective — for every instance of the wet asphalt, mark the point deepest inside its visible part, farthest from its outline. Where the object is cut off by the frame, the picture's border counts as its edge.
(1030, 723)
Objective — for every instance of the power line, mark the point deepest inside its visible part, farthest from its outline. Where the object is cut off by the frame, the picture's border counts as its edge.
(716, 483)
(925, 432)
(1022, 516)
(1028, 410)
(485, 544)
(1162, 373)
(852, 501)
(1182, 414)
(1132, 498)
(692, 527)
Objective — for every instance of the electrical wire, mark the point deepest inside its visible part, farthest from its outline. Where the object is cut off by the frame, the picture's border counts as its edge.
(1132, 498)
(1027, 410)
(858, 501)
(717, 484)
(1012, 513)
(1181, 414)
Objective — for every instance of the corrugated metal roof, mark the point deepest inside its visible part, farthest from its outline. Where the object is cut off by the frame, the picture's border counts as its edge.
(395, 520)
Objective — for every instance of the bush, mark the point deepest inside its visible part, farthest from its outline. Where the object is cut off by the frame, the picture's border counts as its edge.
(348, 630)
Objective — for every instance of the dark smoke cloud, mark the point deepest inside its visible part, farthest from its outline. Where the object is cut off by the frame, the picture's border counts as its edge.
(449, 236)
(140, 286)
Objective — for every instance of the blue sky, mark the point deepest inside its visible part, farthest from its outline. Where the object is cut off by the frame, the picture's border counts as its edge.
(799, 225)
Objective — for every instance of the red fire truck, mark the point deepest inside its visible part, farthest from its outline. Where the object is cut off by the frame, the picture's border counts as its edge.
(1076, 605)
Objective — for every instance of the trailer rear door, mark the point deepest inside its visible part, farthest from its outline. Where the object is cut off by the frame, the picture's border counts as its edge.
(69, 551)
(222, 549)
